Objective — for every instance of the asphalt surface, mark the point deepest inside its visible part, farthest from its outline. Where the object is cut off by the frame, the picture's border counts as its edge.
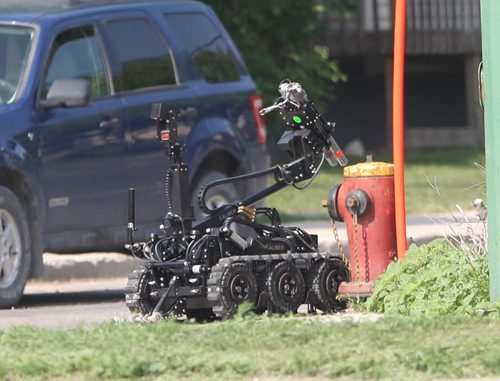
(81, 303)
(68, 304)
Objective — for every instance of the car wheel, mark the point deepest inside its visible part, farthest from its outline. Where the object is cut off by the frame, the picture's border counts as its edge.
(15, 249)
(216, 196)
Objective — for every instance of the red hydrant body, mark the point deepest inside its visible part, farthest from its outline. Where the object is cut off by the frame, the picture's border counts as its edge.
(365, 202)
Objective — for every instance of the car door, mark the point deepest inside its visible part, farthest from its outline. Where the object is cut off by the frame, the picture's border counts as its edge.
(82, 150)
(144, 73)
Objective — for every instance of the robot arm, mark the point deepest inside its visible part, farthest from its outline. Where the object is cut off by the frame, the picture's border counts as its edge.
(300, 114)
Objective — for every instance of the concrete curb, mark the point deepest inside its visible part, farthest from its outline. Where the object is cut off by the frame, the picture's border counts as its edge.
(60, 267)
(420, 230)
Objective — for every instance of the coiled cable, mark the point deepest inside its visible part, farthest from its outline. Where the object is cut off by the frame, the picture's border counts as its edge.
(168, 190)
(204, 189)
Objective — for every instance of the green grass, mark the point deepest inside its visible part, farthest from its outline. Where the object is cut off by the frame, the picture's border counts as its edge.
(452, 172)
(393, 348)
(293, 347)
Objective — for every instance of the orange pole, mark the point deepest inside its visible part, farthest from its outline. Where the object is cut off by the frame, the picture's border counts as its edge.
(398, 137)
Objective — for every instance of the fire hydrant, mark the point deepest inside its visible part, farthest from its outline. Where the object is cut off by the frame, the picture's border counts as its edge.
(365, 202)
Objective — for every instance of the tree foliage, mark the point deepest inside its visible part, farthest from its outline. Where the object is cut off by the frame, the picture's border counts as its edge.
(280, 39)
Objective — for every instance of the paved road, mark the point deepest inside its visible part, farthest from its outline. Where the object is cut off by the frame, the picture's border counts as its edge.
(83, 303)
(70, 304)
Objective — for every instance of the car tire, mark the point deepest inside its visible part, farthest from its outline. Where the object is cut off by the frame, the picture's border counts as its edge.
(215, 196)
(15, 249)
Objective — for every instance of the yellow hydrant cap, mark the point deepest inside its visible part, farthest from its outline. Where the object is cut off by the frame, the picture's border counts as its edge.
(369, 169)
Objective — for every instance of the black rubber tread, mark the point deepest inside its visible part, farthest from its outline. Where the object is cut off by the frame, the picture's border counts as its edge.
(282, 303)
(275, 257)
(136, 289)
(309, 277)
(213, 284)
(132, 290)
(311, 256)
(317, 279)
(219, 293)
(217, 270)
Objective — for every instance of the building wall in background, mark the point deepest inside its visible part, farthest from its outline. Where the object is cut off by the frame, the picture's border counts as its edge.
(443, 52)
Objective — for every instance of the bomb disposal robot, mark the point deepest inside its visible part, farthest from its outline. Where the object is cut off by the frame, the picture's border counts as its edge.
(238, 253)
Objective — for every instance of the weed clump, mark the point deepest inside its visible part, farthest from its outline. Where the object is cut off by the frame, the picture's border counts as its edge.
(434, 279)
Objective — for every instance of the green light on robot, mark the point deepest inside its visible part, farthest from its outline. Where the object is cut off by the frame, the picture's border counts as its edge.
(297, 119)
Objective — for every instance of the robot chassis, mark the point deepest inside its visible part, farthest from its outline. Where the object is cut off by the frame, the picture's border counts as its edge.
(205, 270)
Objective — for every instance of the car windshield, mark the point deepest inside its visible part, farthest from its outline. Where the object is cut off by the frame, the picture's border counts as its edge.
(15, 42)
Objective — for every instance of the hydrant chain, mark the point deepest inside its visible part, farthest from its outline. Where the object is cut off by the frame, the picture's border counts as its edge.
(367, 269)
(356, 254)
(339, 243)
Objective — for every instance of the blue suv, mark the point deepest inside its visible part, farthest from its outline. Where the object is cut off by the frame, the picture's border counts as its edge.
(77, 80)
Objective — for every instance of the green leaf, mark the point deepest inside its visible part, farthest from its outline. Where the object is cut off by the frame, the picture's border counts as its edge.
(433, 279)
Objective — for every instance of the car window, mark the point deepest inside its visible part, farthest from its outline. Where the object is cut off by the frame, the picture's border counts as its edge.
(140, 57)
(75, 55)
(206, 47)
(15, 42)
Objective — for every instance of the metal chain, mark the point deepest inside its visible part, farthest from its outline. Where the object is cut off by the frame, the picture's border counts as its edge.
(356, 253)
(339, 243)
(367, 272)
(356, 249)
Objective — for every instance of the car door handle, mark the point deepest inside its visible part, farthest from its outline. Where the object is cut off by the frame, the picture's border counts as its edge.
(110, 123)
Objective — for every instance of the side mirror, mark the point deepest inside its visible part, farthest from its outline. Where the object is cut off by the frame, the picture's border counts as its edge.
(67, 93)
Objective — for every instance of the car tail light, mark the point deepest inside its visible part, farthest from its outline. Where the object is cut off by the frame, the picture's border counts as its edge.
(260, 124)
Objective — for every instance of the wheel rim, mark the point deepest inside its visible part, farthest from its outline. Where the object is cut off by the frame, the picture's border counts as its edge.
(287, 286)
(146, 302)
(331, 285)
(239, 288)
(324, 279)
(10, 249)
(148, 292)
(230, 286)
